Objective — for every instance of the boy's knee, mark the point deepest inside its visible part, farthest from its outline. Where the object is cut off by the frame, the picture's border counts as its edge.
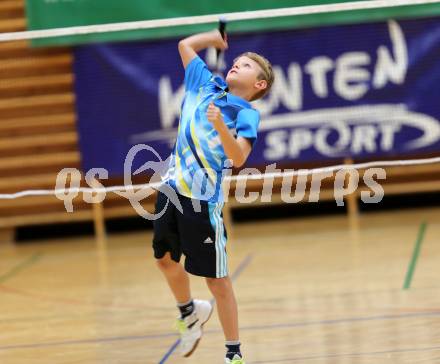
(166, 263)
(219, 285)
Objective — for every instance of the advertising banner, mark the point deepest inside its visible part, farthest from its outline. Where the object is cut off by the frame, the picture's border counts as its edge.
(360, 91)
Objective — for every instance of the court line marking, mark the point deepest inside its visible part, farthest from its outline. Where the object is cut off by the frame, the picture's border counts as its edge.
(87, 341)
(241, 267)
(73, 301)
(162, 309)
(416, 252)
(344, 320)
(67, 301)
(395, 351)
(21, 266)
(245, 328)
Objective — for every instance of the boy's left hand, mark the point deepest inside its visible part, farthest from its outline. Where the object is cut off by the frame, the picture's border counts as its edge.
(214, 115)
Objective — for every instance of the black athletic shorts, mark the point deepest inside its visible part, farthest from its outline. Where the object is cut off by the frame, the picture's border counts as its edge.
(200, 236)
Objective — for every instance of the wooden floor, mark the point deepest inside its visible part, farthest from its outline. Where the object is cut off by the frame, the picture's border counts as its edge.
(316, 290)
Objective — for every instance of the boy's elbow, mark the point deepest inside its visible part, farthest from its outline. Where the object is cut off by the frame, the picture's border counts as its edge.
(241, 156)
(186, 51)
(239, 162)
(181, 45)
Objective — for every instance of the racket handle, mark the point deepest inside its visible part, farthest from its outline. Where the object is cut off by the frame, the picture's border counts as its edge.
(222, 27)
(222, 30)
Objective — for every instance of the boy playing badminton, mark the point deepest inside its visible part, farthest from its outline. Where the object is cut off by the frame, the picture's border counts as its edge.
(217, 124)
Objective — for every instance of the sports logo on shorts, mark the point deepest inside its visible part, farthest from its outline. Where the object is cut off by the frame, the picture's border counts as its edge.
(208, 240)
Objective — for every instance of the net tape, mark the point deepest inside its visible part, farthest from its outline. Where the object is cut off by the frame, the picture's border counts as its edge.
(290, 173)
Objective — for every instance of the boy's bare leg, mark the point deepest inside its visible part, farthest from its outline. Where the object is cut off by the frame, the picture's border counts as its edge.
(194, 313)
(177, 278)
(223, 292)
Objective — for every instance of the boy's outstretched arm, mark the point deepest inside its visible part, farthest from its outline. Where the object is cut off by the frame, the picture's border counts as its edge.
(189, 47)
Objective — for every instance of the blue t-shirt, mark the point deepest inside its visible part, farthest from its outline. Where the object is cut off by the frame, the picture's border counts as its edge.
(198, 157)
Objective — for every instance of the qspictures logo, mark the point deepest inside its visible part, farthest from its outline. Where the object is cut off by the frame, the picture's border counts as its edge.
(293, 185)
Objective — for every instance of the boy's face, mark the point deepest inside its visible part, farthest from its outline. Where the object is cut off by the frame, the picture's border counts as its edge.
(244, 75)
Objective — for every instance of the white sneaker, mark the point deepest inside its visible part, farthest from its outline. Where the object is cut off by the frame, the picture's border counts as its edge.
(191, 327)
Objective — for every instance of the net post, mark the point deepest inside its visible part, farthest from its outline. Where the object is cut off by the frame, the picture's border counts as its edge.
(100, 235)
(352, 198)
(98, 219)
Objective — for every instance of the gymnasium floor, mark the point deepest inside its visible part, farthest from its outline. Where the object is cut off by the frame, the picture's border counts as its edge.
(316, 290)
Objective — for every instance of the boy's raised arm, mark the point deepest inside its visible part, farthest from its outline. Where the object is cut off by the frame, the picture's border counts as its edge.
(189, 47)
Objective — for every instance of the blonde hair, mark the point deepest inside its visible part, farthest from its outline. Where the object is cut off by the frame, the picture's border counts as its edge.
(265, 74)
